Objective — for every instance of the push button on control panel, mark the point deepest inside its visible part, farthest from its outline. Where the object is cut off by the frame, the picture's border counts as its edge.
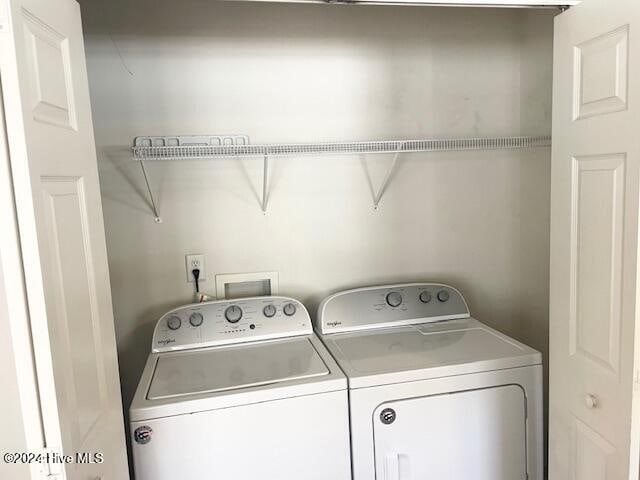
(394, 299)
(233, 314)
(174, 322)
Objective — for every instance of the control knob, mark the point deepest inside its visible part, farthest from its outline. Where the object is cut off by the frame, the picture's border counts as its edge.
(394, 299)
(289, 309)
(443, 295)
(269, 310)
(425, 297)
(174, 322)
(233, 314)
(196, 319)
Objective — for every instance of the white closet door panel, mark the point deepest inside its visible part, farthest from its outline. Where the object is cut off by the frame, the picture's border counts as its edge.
(594, 243)
(59, 207)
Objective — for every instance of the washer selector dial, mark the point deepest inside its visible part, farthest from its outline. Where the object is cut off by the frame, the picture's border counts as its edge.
(289, 309)
(269, 310)
(425, 297)
(233, 314)
(394, 299)
(443, 296)
(196, 319)
(174, 322)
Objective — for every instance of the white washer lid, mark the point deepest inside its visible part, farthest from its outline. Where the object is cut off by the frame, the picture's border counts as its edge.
(456, 347)
(224, 369)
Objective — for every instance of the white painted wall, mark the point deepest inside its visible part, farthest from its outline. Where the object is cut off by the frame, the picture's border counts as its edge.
(283, 72)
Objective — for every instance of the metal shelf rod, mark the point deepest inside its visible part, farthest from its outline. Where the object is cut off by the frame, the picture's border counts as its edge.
(387, 179)
(154, 207)
(265, 177)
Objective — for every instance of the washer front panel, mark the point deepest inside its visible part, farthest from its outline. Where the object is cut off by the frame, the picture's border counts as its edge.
(230, 321)
(299, 437)
(390, 305)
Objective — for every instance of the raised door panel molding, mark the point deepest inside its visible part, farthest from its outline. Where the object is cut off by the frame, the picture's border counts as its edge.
(50, 74)
(596, 259)
(592, 454)
(75, 319)
(601, 74)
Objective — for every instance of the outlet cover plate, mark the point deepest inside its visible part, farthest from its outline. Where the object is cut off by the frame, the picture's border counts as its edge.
(196, 261)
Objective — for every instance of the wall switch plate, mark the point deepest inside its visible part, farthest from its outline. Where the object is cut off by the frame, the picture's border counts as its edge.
(196, 261)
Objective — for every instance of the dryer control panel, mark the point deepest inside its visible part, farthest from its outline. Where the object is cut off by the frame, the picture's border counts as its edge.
(230, 321)
(389, 306)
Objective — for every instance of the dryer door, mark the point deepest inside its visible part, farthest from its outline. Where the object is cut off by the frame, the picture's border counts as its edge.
(479, 434)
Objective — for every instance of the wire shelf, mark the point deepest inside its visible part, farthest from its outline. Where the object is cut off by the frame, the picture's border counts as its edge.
(201, 147)
(233, 146)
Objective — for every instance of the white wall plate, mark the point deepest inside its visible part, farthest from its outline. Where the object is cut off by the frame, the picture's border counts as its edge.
(239, 285)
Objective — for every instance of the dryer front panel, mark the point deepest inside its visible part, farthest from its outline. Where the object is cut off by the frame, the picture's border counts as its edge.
(475, 434)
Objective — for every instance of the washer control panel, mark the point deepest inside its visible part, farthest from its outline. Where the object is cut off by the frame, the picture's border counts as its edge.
(390, 305)
(230, 321)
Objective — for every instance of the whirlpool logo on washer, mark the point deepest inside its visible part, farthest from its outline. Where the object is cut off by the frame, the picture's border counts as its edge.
(166, 341)
(142, 435)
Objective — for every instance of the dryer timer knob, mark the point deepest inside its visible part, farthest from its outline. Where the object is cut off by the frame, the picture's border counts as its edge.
(289, 309)
(443, 295)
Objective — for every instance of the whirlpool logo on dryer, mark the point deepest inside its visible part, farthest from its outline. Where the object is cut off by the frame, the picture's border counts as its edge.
(334, 324)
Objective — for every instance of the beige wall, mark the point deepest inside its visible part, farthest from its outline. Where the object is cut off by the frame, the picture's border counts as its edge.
(284, 72)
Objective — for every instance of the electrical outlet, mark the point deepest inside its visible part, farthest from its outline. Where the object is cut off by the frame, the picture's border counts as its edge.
(195, 261)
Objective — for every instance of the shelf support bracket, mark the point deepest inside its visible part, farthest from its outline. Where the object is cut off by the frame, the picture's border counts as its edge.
(157, 217)
(387, 177)
(265, 175)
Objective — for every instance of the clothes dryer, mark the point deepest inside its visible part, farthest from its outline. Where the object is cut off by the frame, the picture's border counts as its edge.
(433, 393)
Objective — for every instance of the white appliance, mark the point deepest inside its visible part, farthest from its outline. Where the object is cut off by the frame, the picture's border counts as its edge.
(240, 390)
(433, 393)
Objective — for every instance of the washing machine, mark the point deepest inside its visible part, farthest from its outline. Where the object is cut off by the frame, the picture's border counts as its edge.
(240, 390)
(433, 393)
